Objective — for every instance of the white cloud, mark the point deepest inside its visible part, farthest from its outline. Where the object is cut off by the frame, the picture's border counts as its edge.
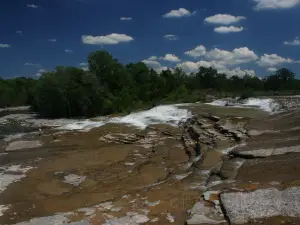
(85, 68)
(19, 32)
(110, 39)
(238, 72)
(152, 58)
(272, 60)
(275, 4)
(171, 37)
(152, 63)
(40, 72)
(52, 40)
(197, 52)
(224, 19)
(295, 42)
(33, 6)
(68, 51)
(181, 12)
(83, 64)
(4, 46)
(272, 69)
(226, 30)
(188, 66)
(126, 18)
(192, 67)
(235, 57)
(171, 58)
(32, 64)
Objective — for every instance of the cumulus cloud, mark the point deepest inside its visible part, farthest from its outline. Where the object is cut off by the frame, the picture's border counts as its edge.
(19, 32)
(192, 67)
(196, 52)
(224, 19)
(152, 63)
(68, 51)
(110, 39)
(181, 12)
(153, 58)
(171, 37)
(83, 64)
(171, 58)
(237, 56)
(32, 64)
(126, 18)
(40, 72)
(295, 42)
(272, 60)
(272, 69)
(275, 4)
(52, 40)
(226, 30)
(238, 72)
(4, 46)
(33, 6)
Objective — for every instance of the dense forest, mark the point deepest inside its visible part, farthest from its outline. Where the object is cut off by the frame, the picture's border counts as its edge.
(110, 87)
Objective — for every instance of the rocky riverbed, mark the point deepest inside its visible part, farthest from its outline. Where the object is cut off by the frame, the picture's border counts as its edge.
(142, 168)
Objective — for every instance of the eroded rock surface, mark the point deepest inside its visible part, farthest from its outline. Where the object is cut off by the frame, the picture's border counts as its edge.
(118, 174)
(242, 207)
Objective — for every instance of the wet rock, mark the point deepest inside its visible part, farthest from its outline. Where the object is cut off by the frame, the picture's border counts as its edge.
(241, 207)
(121, 138)
(213, 180)
(229, 168)
(202, 219)
(235, 130)
(74, 179)
(18, 145)
(267, 152)
(211, 196)
(202, 214)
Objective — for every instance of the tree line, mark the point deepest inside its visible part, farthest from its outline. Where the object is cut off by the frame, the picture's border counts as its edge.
(111, 87)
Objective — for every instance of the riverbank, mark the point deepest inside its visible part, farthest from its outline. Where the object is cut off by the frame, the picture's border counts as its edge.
(136, 170)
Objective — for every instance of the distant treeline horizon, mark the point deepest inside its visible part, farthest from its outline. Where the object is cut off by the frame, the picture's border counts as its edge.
(110, 87)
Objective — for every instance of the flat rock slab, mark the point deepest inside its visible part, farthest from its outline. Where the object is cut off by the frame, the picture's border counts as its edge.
(18, 145)
(243, 207)
(268, 152)
(281, 168)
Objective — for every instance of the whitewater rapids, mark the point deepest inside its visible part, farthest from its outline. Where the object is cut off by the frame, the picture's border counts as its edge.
(170, 114)
(164, 114)
(269, 105)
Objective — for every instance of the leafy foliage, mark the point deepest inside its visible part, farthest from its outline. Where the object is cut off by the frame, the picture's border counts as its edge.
(110, 87)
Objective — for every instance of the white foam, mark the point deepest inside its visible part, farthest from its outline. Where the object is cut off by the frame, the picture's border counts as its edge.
(164, 114)
(13, 137)
(219, 103)
(85, 125)
(267, 104)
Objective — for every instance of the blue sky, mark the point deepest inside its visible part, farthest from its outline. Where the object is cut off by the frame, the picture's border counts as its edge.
(234, 36)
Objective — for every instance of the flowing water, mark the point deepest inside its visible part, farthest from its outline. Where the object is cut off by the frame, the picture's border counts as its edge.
(122, 170)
